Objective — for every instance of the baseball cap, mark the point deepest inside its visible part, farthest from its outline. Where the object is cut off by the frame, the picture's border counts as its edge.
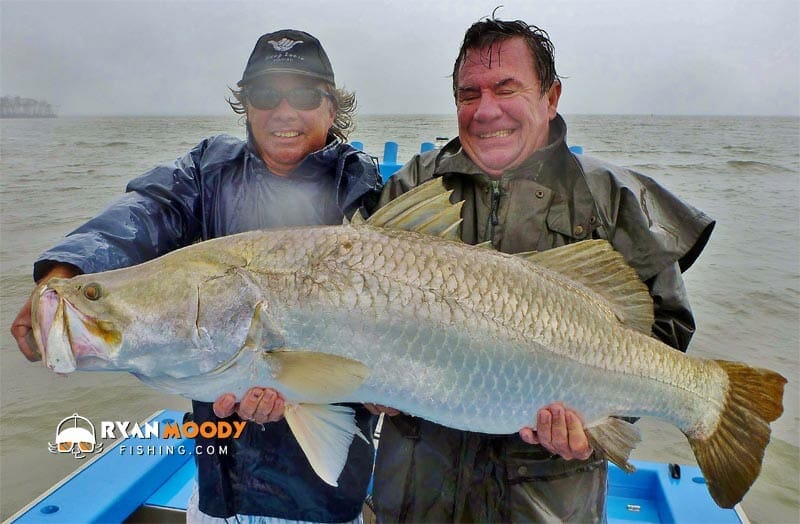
(288, 51)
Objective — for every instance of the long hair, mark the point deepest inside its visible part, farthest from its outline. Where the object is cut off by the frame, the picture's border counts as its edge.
(345, 103)
(489, 31)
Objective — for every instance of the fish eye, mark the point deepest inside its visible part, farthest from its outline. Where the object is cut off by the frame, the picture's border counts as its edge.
(92, 291)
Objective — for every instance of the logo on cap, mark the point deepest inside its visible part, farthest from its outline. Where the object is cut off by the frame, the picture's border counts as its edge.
(284, 44)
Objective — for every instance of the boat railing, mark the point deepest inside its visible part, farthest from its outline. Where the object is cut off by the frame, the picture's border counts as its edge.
(388, 164)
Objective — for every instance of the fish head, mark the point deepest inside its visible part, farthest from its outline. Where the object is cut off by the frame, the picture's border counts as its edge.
(118, 320)
(71, 327)
(180, 315)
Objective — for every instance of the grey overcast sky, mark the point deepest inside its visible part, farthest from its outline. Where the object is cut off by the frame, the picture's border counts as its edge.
(715, 57)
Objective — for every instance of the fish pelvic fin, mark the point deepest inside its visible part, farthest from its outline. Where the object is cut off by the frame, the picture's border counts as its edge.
(615, 438)
(319, 376)
(599, 267)
(730, 457)
(324, 433)
(424, 209)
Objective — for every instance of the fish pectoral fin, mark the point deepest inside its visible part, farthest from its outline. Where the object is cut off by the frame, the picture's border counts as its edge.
(599, 267)
(324, 433)
(321, 376)
(262, 333)
(614, 438)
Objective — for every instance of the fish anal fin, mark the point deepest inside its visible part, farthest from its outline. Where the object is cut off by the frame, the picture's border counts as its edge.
(615, 439)
(320, 377)
(424, 209)
(730, 456)
(324, 433)
(598, 266)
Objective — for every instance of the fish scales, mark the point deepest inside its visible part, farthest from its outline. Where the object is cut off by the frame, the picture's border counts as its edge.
(438, 295)
(461, 335)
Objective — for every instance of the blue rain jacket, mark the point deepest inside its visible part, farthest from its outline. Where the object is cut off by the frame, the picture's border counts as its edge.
(222, 187)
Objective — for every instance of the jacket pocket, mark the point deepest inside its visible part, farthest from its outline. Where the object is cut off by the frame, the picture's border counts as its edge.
(542, 487)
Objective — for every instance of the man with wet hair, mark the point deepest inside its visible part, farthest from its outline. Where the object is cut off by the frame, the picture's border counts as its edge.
(523, 190)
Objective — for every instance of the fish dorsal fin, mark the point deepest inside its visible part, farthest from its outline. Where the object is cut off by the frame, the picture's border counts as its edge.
(356, 220)
(424, 209)
(598, 266)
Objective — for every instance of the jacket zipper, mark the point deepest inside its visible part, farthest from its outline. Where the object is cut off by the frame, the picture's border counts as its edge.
(493, 218)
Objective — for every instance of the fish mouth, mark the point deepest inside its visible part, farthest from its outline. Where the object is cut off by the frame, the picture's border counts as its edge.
(68, 338)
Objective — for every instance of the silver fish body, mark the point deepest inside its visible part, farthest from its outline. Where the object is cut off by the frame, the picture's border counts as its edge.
(460, 335)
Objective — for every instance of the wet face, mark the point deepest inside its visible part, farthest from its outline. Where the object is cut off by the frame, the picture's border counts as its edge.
(285, 135)
(502, 115)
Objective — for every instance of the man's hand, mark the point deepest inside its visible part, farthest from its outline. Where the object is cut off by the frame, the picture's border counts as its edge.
(260, 405)
(22, 331)
(559, 430)
(377, 409)
(22, 327)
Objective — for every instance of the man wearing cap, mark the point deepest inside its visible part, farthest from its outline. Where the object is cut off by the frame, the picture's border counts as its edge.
(294, 169)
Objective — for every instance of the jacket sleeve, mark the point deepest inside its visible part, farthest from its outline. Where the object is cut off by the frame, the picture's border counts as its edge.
(657, 233)
(674, 323)
(159, 213)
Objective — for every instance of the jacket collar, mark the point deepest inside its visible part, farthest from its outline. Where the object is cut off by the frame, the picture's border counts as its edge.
(355, 174)
(571, 210)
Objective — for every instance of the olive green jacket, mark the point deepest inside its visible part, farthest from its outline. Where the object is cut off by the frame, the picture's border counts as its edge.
(429, 473)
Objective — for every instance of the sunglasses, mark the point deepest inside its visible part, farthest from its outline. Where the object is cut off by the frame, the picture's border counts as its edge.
(66, 447)
(302, 98)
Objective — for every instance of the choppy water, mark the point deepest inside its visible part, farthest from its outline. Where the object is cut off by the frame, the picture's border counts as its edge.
(745, 288)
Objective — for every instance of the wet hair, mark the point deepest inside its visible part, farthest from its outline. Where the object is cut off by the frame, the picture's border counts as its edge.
(490, 31)
(345, 103)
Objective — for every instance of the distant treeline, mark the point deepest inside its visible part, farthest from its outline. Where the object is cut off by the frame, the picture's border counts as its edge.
(18, 107)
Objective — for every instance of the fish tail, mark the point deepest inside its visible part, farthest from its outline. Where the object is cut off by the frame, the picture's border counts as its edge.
(730, 457)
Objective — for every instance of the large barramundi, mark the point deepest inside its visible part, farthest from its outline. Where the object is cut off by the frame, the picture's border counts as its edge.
(395, 311)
